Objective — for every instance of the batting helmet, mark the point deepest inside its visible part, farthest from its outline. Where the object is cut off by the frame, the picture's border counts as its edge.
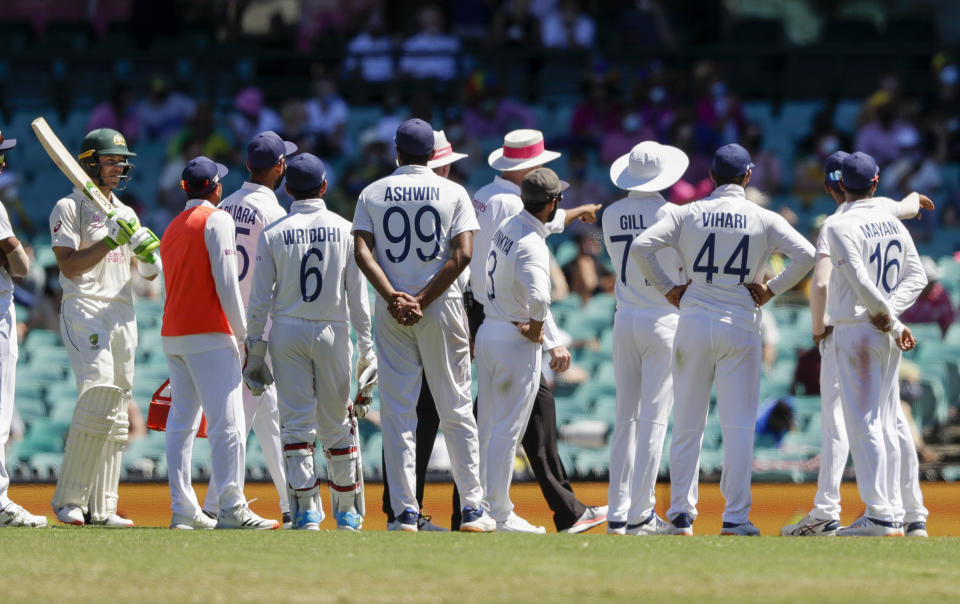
(100, 142)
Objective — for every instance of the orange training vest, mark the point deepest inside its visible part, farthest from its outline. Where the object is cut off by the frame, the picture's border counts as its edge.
(192, 305)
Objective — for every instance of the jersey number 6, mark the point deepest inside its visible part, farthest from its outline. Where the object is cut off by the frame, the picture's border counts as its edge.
(404, 235)
(307, 271)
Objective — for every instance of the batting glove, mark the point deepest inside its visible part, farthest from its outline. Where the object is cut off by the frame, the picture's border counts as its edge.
(117, 232)
(144, 242)
(150, 269)
(256, 374)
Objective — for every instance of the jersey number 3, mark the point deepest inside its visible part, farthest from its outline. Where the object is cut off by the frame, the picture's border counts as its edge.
(742, 251)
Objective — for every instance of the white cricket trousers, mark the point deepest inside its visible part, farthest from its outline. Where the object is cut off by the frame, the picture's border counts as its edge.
(311, 362)
(260, 414)
(209, 382)
(508, 377)
(834, 446)
(642, 354)
(866, 370)
(8, 374)
(437, 347)
(707, 349)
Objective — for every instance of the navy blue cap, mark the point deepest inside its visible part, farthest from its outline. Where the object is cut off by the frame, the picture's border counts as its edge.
(7, 143)
(415, 137)
(201, 175)
(265, 150)
(730, 161)
(305, 173)
(859, 171)
(831, 169)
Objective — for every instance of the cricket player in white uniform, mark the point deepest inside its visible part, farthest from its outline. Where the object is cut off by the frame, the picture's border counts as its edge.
(824, 519)
(253, 207)
(876, 274)
(94, 253)
(306, 278)
(413, 235)
(517, 292)
(643, 330)
(203, 320)
(15, 264)
(724, 241)
(522, 152)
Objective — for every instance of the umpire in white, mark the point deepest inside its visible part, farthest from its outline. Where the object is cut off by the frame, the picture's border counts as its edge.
(306, 279)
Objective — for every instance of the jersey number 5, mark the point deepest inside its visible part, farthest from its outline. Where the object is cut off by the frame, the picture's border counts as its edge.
(742, 251)
(244, 257)
(310, 271)
(404, 236)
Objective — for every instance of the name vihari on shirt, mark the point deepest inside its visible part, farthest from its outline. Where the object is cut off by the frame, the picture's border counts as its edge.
(314, 235)
(879, 229)
(411, 194)
(502, 242)
(724, 220)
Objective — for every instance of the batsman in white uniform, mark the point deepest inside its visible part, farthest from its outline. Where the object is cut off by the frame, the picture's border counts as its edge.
(15, 264)
(517, 292)
(643, 330)
(876, 274)
(99, 329)
(724, 241)
(413, 232)
(203, 321)
(252, 208)
(824, 519)
(306, 278)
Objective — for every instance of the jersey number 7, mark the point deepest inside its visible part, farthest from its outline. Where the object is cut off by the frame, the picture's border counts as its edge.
(742, 251)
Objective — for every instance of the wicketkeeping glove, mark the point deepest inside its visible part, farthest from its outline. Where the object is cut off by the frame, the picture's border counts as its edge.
(256, 374)
(366, 380)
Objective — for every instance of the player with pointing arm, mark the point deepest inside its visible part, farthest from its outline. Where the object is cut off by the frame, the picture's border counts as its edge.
(724, 241)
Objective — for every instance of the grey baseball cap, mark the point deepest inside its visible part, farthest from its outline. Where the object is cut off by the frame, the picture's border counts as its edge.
(540, 186)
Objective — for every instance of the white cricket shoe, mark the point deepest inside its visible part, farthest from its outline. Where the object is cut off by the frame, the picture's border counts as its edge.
(871, 527)
(187, 523)
(811, 526)
(476, 521)
(70, 514)
(14, 515)
(111, 521)
(516, 524)
(745, 529)
(242, 517)
(616, 527)
(591, 517)
(916, 529)
(651, 525)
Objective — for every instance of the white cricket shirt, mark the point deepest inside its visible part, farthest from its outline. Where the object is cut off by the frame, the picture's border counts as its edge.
(518, 271)
(6, 282)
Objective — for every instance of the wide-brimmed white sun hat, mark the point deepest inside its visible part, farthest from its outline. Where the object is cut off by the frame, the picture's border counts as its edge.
(521, 149)
(443, 151)
(649, 167)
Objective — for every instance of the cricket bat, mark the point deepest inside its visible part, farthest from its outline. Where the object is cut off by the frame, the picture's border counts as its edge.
(70, 168)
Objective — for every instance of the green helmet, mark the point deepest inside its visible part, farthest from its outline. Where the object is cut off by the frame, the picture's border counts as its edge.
(104, 141)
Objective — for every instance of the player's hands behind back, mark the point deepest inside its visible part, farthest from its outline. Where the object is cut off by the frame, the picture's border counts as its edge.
(405, 308)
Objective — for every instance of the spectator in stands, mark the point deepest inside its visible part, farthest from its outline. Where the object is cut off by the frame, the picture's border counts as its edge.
(377, 159)
(774, 420)
(431, 53)
(586, 274)
(933, 305)
(720, 119)
(490, 112)
(251, 116)
(514, 25)
(884, 136)
(370, 52)
(296, 126)
(943, 110)
(569, 27)
(808, 170)
(644, 24)
(767, 176)
(170, 195)
(202, 127)
(619, 141)
(45, 313)
(655, 102)
(119, 113)
(327, 115)
(596, 115)
(165, 111)
(806, 375)
(582, 189)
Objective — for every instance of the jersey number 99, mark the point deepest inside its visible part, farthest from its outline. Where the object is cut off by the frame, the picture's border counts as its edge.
(403, 235)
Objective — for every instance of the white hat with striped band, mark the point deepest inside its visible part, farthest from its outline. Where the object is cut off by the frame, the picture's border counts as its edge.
(521, 149)
(443, 151)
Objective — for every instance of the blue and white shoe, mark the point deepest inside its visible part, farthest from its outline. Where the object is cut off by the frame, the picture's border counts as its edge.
(407, 521)
(616, 527)
(742, 529)
(865, 526)
(651, 525)
(348, 521)
(477, 521)
(916, 529)
(681, 524)
(309, 520)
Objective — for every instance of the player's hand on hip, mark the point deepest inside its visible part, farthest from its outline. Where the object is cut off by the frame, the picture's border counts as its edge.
(881, 321)
(589, 214)
(559, 359)
(760, 293)
(905, 341)
(535, 336)
(676, 293)
(817, 338)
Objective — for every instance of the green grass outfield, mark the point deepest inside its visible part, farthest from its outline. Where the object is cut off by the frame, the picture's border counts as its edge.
(153, 565)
